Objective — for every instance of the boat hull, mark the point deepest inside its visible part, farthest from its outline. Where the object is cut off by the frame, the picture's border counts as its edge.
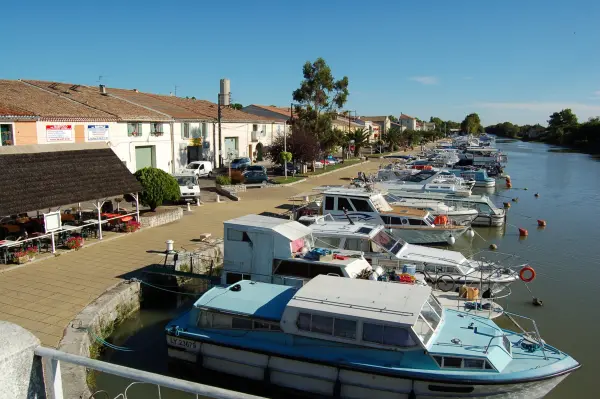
(426, 235)
(486, 220)
(322, 379)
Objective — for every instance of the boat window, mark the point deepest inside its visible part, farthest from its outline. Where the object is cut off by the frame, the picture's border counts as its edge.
(435, 305)
(488, 366)
(221, 321)
(257, 325)
(205, 319)
(291, 268)
(303, 322)
(430, 219)
(387, 335)
(452, 362)
(373, 333)
(343, 203)
(385, 240)
(356, 244)
(430, 315)
(365, 230)
(316, 269)
(321, 324)
(243, 324)
(344, 328)
(328, 242)
(395, 221)
(361, 205)
(438, 360)
(232, 278)
(473, 363)
(386, 219)
(422, 330)
(416, 222)
(329, 203)
(506, 343)
(380, 203)
(237, 235)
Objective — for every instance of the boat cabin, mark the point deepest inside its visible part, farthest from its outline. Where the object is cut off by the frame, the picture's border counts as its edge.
(278, 251)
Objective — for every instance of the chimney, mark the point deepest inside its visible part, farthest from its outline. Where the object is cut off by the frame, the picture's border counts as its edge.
(170, 94)
(136, 90)
(102, 89)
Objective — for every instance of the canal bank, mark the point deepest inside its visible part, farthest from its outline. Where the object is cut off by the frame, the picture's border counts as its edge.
(561, 253)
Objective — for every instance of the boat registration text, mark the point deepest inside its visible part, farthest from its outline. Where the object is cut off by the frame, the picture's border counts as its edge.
(183, 343)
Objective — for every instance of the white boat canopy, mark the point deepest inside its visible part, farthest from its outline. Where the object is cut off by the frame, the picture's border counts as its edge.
(290, 229)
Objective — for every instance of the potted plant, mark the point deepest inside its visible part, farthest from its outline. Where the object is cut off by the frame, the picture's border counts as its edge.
(132, 226)
(31, 252)
(21, 257)
(74, 243)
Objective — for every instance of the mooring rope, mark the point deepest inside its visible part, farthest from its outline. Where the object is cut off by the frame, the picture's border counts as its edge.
(162, 289)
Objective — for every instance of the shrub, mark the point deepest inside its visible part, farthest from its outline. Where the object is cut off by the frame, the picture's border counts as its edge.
(132, 226)
(237, 177)
(223, 180)
(158, 186)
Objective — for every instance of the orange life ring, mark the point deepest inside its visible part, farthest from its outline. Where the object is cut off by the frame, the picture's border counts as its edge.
(522, 274)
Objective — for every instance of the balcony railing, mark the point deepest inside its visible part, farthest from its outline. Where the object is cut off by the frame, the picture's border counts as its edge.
(52, 359)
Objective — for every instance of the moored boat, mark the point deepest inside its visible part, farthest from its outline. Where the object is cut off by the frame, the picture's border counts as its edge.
(362, 339)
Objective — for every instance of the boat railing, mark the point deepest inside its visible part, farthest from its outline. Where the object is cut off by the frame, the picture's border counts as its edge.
(532, 335)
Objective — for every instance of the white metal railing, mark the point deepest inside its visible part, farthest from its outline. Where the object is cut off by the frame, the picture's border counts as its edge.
(52, 358)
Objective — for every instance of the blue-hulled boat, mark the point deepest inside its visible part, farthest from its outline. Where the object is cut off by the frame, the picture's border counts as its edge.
(480, 176)
(362, 339)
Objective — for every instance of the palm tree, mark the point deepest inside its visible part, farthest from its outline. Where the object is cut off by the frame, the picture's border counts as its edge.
(360, 137)
(393, 138)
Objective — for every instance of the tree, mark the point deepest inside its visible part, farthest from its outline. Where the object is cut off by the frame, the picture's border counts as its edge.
(562, 126)
(285, 157)
(471, 124)
(393, 138)
(393, 118)
(158, 186)
(237, 106)
(319, 96)
(360, 137)
(439, 124)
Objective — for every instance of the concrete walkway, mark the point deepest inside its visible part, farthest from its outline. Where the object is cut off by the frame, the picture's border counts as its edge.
(45, 296)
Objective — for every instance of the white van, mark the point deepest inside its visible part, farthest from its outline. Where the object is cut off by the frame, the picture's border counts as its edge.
(198, 169)
(188, 187)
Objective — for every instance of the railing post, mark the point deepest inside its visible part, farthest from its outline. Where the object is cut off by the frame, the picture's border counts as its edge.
(53, 378)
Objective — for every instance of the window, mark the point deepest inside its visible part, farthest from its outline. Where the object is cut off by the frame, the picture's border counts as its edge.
(303, 322)
(432, 317)
(328, 242)
(291, 268)
(134, 129)
(343, 203)
(386, 219)
(236, 235)
(452, 362)
(260, 326)
(232, 278)
(416, 222)
(321, 324)
(221, 321)
(365, 230)
(344, 328)
(255, 128)
(6, 135)
(397, 336)
(185, 131)
(329, 203)
(317, 269)
(156, 129)
(488, 366)
(356, 244)
(361, 205)
(438, 360)
(506, 343)
(243, 324)
(372, 333)
(473, 363)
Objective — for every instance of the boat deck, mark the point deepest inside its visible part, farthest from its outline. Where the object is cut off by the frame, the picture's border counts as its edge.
(451, 300)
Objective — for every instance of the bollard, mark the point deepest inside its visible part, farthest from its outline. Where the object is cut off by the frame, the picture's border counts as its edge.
(169, 245)
(218, 198)
(197, 201)
(188, 206)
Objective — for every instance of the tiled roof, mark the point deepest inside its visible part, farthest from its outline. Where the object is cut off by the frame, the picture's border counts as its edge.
(374, 118)
(279, 110)
(210, 109)
(156, 103)
(91, 96)
(12, 111)
(32, 99)
(404, 116)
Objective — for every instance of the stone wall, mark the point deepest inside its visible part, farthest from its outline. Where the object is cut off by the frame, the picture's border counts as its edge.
(111, 307)
(21, 375)
(163, 216)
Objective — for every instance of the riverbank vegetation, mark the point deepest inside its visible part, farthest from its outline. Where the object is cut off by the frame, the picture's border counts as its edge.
(563, 129)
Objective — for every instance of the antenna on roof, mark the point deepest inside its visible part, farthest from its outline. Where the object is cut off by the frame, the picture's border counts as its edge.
(176, 90)
(348, 216)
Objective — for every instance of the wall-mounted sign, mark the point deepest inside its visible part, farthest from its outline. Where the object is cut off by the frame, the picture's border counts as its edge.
(59, 132)
(97, 132)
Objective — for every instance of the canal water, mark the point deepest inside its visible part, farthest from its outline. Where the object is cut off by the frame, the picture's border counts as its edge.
(565, 255)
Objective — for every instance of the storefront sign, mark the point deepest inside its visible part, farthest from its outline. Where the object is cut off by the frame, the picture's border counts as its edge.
(59, 133)
(97, 132)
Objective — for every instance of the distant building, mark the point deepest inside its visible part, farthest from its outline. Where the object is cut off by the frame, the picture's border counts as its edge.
(408, 122)
(383, 122)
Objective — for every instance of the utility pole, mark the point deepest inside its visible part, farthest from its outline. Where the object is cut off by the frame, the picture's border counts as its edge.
(219, 123)
(176, 90)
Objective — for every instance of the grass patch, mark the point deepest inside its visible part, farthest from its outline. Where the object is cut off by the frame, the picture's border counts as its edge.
(283, 180)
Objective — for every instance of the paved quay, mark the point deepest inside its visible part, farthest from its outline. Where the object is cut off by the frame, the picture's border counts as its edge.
(45, 296)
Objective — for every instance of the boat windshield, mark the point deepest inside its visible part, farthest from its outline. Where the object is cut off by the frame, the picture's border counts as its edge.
(390, 198)
(430, 219)
(380, 203)
(386, 241)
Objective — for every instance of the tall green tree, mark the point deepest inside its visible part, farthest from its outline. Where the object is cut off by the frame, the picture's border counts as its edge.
(393, 138)
(471, 124)
(237, 106)
(360, 138)
(158, 186)
(393, 118)
(562, 126)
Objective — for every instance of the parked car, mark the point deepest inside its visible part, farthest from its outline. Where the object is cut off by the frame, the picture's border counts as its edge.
(291, 169)
(198, 169)
(188, 187)
(330, 160)
(255, 168)
(256, 177)
(240, 163)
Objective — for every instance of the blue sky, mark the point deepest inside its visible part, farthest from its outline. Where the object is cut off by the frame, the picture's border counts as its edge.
(506, 60)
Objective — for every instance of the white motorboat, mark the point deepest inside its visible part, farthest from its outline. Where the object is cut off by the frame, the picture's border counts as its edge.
(430, 181)
(459, 214)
